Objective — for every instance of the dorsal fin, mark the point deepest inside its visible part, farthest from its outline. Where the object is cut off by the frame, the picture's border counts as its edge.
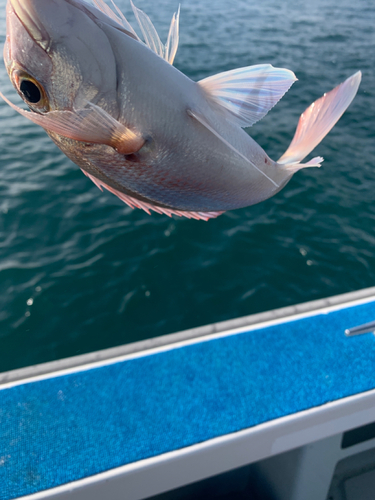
(119, 19)
(247, 94)
(172, 40)
(149, 32)
(150, 35)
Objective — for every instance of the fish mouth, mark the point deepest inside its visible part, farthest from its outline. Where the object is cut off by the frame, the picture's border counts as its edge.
(26, 13)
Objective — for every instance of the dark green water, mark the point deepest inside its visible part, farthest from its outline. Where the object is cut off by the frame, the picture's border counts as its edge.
(80, 271)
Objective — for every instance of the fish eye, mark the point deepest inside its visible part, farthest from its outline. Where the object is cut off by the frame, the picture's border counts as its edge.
(30, 91)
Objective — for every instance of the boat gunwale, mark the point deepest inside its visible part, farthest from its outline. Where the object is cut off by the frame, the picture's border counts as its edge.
(179, 339)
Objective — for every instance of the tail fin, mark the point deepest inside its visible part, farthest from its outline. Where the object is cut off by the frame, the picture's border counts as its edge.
(315, 123)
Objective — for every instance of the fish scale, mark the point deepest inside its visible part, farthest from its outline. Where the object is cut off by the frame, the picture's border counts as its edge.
(140, 128)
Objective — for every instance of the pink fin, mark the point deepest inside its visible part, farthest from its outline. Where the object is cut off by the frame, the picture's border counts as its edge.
(294, 167)
(151, 37)
(119, 19)
(172, 40)
(247, 94)
(134, 203)
(318, 119)
(87, 125)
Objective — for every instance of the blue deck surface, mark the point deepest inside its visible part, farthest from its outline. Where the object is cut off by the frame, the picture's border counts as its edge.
(66, 428)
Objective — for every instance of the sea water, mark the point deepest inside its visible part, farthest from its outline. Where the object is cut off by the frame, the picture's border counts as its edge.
(81, 271)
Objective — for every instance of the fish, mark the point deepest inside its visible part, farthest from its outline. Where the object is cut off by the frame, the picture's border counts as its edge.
(138, 127)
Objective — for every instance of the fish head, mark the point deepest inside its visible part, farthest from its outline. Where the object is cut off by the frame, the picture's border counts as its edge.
(57, 56)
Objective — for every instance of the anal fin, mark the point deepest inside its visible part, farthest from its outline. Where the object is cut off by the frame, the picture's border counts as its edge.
(146, 206)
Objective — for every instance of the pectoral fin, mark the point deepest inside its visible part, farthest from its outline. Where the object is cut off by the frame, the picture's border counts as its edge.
(91, 124)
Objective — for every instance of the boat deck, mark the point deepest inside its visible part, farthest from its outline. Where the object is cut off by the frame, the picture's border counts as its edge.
(151, 420)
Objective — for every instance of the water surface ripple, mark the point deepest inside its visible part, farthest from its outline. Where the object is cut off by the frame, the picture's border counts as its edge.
(80, 271)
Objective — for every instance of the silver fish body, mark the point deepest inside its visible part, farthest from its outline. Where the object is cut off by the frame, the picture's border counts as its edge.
(182, 165)
(139, 127)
